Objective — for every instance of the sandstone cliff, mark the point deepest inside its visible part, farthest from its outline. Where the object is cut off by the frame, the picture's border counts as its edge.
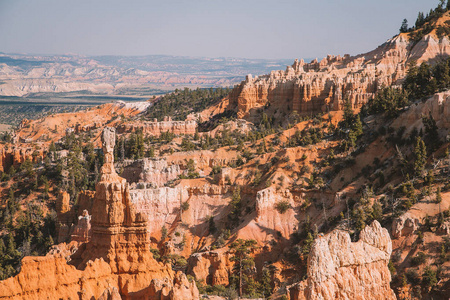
(341, 269)
(322, 86)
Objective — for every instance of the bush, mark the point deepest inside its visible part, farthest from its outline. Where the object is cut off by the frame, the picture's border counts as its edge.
(282, 206)
(413, 277)
(185, 206)
(419, 259)
(429, 279)
(155, 253)
(176, 260)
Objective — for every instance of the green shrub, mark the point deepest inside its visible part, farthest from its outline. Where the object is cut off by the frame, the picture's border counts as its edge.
(429, 278)
(419, 259)
(282, 206)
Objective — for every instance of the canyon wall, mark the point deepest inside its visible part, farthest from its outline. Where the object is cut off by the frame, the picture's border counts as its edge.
(438, 106)
(162, 206)
(15, 156)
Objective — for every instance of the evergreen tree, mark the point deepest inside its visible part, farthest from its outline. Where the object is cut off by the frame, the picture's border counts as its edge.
(420, 20)
(244, 263)
(431, 133)
(420, 154)
(357, 127)
(122, 149)
(404, 27)
(266, 283)
(438, 195)
(349, 116)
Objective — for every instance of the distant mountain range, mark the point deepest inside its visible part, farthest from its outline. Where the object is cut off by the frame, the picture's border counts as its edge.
(36, 75)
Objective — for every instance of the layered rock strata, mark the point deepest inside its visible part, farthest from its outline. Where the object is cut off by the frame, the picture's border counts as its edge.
(162, 206)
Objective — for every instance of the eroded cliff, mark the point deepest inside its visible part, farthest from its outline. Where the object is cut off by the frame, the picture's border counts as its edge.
(341, 269)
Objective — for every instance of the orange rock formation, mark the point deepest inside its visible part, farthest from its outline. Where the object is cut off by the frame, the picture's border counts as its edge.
(117, 257)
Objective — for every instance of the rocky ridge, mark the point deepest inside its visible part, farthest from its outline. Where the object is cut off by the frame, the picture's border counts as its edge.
(323, 86)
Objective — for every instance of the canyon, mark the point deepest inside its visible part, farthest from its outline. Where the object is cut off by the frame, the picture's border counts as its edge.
(270, 165)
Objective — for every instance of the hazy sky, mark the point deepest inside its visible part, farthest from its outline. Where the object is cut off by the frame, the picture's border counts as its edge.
(214, 28)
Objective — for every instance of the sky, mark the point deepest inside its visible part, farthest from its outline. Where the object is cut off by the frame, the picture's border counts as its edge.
(207, 28)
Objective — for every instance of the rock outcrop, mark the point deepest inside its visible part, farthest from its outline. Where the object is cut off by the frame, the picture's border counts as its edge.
(155, 128)
(340, 269)
(157, 172)
(16, 155)
(320, 86)
(82, 231)
(438, 106)
(268, 216)
(404, 225)
(211, 267)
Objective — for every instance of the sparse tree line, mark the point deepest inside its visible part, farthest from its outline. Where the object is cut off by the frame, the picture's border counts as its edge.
(180, 103)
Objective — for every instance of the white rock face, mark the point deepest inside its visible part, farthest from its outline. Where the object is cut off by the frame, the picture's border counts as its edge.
(439, 107)
(160, 205)
(340, 269)
(267, 214)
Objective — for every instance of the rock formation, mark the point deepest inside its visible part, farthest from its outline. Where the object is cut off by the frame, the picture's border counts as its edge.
(117, 257)
(267, 215)
(162, 206)
(317, 87)
(340, 269)
(404, 225)
(157, 172)
(213, 267)
(82, 231)
(155, 128)
(16, 155)
(438, 106)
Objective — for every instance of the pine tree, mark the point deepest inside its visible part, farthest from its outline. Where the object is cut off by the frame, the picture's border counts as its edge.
(357, 127)
(122, 149)
(349, 116)
(438, 195)
(404, 27)
(420, 20)
(244, 263)
(420, 154)
(266, 283)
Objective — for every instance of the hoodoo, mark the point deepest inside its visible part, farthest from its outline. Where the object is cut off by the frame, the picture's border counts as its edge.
(116, 261)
